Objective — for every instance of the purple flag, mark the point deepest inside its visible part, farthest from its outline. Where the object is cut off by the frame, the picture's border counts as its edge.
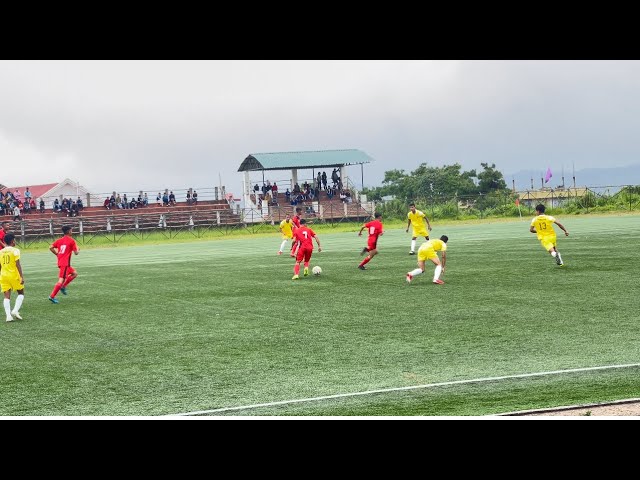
(548, 175)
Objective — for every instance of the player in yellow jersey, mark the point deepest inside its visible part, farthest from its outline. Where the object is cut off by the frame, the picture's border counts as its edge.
(286, 228)
(542, 225)
(428, 251)
(11, 277)
(414, 217)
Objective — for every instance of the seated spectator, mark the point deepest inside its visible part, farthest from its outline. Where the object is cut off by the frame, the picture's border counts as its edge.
(165, 200)
(159, 199)
(287, 195)
(145, 200)
(16, 195)
(194, 197)
(32, 205)
(107, 203)
(296, 188)
(41, 205)
(56, 205)
(125, 201)
(172, 199)
(27, 195)
(3, 208)
(256, 188)
(26, 207)
(133, 203)
(73, 209)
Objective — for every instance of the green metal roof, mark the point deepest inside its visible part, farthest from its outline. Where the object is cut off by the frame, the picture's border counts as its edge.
(289, 160)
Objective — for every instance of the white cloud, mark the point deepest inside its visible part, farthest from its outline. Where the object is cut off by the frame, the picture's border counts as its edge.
(126, 124)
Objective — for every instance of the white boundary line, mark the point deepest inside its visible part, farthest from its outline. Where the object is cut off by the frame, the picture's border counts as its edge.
(399, 389)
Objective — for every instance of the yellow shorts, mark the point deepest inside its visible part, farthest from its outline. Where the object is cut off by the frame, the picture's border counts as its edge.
(285, 237)
(420, 232)
(548, 242)
(426, 254)
(10, 283)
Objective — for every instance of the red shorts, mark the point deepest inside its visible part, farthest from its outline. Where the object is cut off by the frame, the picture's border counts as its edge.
(372, 244)
(304, 253)
(64, 271)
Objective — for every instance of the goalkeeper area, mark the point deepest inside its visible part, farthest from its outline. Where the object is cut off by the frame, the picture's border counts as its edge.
(219, 328)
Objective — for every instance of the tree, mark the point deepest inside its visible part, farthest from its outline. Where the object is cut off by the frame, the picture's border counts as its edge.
(491, 180)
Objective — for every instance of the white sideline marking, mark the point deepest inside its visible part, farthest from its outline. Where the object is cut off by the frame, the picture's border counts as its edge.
(398, 389)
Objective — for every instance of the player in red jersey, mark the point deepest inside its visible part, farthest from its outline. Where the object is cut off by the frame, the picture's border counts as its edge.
(62, 248)
(375, 230)
(296, 224)
(4, 229)
(304, 235)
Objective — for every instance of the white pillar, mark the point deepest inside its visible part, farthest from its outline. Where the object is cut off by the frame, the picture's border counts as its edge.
(247, 189)
(294, 177)
(343, 176)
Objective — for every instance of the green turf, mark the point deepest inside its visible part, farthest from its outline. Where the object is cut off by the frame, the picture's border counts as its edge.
(164, 329)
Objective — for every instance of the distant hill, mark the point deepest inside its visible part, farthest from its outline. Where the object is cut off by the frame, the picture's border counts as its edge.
(588, 177)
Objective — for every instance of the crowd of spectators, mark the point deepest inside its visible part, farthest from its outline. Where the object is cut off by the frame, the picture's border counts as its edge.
(16, 204)
(306, 192)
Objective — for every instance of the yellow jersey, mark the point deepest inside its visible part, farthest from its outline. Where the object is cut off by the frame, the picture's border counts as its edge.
(544, 226)
(286, 227)
(416, 218)
(428, 249)
(436, 244)
(8, 258)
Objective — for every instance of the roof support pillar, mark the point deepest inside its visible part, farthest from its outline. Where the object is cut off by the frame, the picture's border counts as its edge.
(294, 177)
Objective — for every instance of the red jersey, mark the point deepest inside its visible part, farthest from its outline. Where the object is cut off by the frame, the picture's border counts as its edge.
(296, 220)
(66, 246)
(374, 228)
(2, 234)
(304, 234)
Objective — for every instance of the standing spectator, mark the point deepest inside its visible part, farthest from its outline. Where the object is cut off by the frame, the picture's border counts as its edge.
(80, 204)
(16, 213)
(319, 181)
(41, 205)
(324, 180)
(194, 197)
(125, 201)
(274, 191)
(188, 197)
(27, 195)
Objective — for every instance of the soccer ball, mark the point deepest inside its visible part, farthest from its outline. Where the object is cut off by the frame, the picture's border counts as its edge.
(316, 270)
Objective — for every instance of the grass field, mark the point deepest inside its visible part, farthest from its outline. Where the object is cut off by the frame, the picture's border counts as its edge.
(185, 327)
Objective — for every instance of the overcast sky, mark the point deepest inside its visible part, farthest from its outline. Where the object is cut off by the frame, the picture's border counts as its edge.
(128, 125)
